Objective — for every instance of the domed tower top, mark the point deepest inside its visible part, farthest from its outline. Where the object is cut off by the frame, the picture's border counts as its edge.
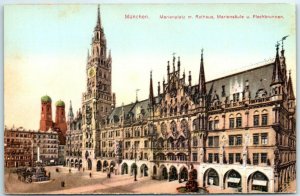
(46, 99)
(60, 103)
(46, 113)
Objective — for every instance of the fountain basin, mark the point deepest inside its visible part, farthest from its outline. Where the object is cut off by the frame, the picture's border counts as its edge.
(183, 189)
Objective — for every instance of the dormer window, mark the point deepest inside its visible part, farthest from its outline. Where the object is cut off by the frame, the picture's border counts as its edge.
(236, 97)
(223, 91)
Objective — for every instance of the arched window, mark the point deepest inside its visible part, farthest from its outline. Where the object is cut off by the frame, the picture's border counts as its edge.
(195, 141)
(264, 118)
(210, 124)
(173, 127)
(196, 124)
(171, 111)
(256, 118)
(163, 128)
(231, 121)
(184, 127)
(238, 120)
(216, 123)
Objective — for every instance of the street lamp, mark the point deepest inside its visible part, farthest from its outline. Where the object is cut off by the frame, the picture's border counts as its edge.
(135, 168)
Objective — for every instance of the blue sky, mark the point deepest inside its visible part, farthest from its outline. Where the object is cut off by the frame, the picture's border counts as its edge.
(45, 48)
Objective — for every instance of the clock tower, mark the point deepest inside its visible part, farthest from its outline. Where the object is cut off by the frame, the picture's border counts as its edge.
(97, 100)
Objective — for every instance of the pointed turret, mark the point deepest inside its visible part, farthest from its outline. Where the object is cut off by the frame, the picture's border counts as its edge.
(282, 64)
(109, 54)
(178, 64)
(202, 87)
(98, 25)
(190, 79)
(70, 113)
(277, 75)
(158, 89)
(290, 90)
(151, 96)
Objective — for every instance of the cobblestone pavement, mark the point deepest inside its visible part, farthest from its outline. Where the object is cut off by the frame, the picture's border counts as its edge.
(79, 182)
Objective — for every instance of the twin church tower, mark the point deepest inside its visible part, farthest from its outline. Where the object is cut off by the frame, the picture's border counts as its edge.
(46, 121)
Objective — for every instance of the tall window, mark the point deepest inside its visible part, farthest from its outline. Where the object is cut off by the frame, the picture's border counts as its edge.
(195, 142)
(255, 158)
(231, 123)
(231, 155)
(255, 139)
(210, 125)
(216, 157)
(256, 120)
(210, 157)
(264, 138)
(216, 124)
(236, 97)
(237, 157)
(238, 121)
(216, 141)
(264, 119)
(210, 141)
(238, 140)
(146, 144)
(263, 157)
(195, 155)
(231, 140)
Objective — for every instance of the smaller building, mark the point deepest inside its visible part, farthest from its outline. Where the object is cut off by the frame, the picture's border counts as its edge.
(47, 142)
(18, 147)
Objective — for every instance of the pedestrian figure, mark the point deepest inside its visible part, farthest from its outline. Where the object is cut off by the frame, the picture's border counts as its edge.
(62, 183)
(69, 170)
(90, 174)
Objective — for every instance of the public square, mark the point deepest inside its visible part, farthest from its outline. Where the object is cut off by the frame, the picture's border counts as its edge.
(79, 182)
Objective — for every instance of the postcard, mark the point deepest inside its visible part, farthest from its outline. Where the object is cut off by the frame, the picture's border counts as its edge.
(150, 98)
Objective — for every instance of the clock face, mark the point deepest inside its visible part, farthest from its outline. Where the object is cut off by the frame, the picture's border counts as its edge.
(91, 72)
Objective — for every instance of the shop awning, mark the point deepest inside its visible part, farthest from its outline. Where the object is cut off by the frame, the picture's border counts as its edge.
(260, 182)
(234, 180)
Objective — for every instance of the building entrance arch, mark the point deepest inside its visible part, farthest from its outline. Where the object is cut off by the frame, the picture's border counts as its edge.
(232, 179)
(173, 173)
(89, 164)
(164, 173)
(144, 170)
(124, 169)
(258, 181)
(99, 165)
(211, 177)
(183, 174)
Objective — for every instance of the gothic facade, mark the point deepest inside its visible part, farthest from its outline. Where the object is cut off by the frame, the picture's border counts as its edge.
(237, 131)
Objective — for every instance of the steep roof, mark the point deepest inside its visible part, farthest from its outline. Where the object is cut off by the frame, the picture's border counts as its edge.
(258, 78)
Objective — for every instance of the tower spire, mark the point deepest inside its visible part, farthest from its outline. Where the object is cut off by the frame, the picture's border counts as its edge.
(99, 17)
(290, 91)
(151, 96)
(202, 87)
(70, 114)
(277, 75)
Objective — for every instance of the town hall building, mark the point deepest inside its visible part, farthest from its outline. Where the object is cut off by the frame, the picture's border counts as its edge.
(237, 131)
